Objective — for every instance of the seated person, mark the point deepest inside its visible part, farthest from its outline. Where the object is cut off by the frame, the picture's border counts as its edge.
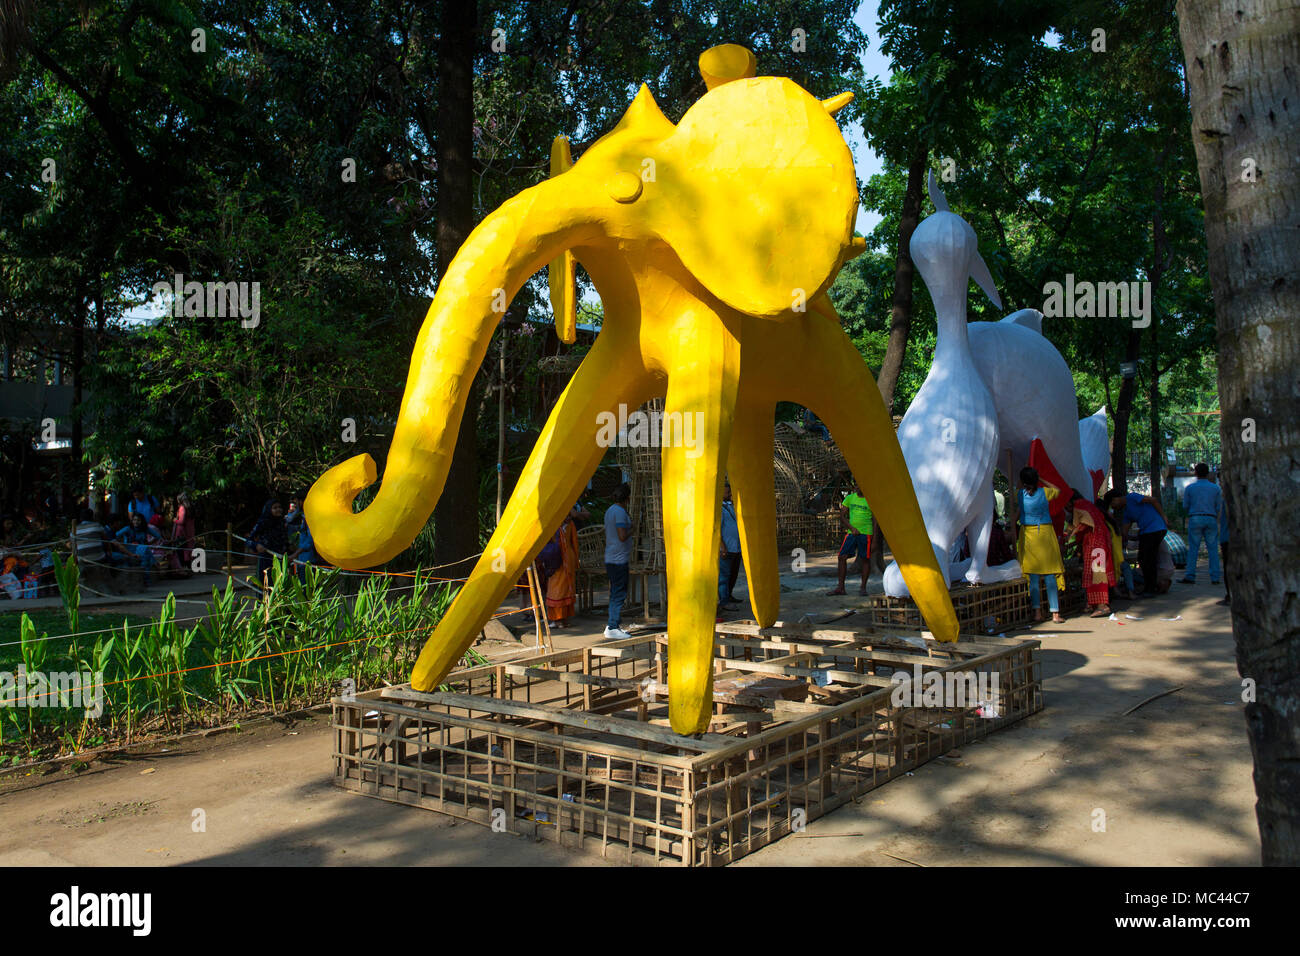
(16, 577)
(134, 541)
(90, 539)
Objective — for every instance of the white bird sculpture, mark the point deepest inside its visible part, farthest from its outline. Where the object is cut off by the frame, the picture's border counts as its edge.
(1095, 445)
(949, 434)
(1033, 392)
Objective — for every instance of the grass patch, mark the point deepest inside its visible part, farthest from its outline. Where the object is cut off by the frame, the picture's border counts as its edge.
(244, 654)
(55, 621)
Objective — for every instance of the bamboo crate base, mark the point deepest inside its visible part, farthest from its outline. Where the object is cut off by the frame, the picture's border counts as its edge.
(983, 608)
(575, 747)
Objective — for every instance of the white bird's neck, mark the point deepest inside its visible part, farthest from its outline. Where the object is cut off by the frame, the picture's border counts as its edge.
(953, 337)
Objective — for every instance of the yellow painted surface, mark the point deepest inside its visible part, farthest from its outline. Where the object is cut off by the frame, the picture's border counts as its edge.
(711, 243)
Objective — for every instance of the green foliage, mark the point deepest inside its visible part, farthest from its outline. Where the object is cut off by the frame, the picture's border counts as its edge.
(1066, 160)
(248, 654)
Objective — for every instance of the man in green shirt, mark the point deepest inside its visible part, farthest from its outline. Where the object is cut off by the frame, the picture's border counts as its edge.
(856, 513)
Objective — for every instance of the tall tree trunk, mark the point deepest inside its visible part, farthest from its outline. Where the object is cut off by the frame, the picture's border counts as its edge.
(456, 516)
(1123, 411)
(904, 270)
(78, 363)
(1243, 69)
(1153, 421)
(1155, 273)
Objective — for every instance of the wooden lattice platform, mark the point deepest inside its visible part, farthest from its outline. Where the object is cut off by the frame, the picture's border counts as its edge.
(575, 746)
(982, 608)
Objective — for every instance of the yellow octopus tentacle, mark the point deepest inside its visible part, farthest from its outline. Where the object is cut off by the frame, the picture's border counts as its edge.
(701, 397)
(849, 402)
(562, 461)
(749, 467)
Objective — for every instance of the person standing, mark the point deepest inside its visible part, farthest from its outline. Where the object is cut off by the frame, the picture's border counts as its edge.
(183, 538)
(618, 555)
(1040, 552)
(1226, 601)
(562, 583)
(1169, 500)
(304, 552)
(728, 553)
(1203, 502)
(1146, 513)
(142, 503)
(294, 516)
(856, 513)
(269, 537)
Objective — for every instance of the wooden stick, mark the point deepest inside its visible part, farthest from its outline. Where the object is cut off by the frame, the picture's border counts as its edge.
(1163, 693)
(901, 859)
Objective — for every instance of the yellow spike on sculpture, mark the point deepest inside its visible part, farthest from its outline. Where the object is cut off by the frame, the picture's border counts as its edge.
(707, 241)
(562, 275)
(838, 102)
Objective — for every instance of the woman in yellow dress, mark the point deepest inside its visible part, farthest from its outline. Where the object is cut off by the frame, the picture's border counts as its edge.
(1040, 552)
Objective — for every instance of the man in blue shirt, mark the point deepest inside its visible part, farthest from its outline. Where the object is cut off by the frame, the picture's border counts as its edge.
(142, 504)
(728, 553)
(1146, 513)
(618, 555)
(1203, 502)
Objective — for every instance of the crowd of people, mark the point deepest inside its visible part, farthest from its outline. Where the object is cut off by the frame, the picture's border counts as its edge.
(147, 537)
(154, 537)
(1100, 526)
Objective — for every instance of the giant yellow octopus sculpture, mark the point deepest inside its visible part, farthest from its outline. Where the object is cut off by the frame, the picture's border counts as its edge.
(712, 244)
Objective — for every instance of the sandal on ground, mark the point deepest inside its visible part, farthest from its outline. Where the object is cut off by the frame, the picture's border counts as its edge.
(1100, 612)
(836, 591)
(1057, 619)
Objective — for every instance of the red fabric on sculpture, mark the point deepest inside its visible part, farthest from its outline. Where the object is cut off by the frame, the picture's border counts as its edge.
(1047, 472)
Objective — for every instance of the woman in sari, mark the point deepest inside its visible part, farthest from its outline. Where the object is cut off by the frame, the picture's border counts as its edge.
(1040, 552)
(183, 540)
(561, 583)
(1096, 550)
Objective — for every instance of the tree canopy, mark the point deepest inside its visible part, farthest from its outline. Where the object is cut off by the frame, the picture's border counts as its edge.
(296, 147)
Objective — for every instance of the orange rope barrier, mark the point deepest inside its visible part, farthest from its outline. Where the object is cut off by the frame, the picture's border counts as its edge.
(261, 657)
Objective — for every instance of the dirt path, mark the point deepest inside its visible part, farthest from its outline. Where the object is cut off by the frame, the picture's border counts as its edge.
(1173, 779)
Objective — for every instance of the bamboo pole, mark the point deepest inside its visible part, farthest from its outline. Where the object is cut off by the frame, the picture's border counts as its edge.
(501, 422)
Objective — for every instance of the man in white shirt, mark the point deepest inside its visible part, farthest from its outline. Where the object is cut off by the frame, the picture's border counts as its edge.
(88, 537)
(618, 555)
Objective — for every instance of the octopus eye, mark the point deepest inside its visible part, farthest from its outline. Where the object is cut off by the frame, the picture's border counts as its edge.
(624, 187)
